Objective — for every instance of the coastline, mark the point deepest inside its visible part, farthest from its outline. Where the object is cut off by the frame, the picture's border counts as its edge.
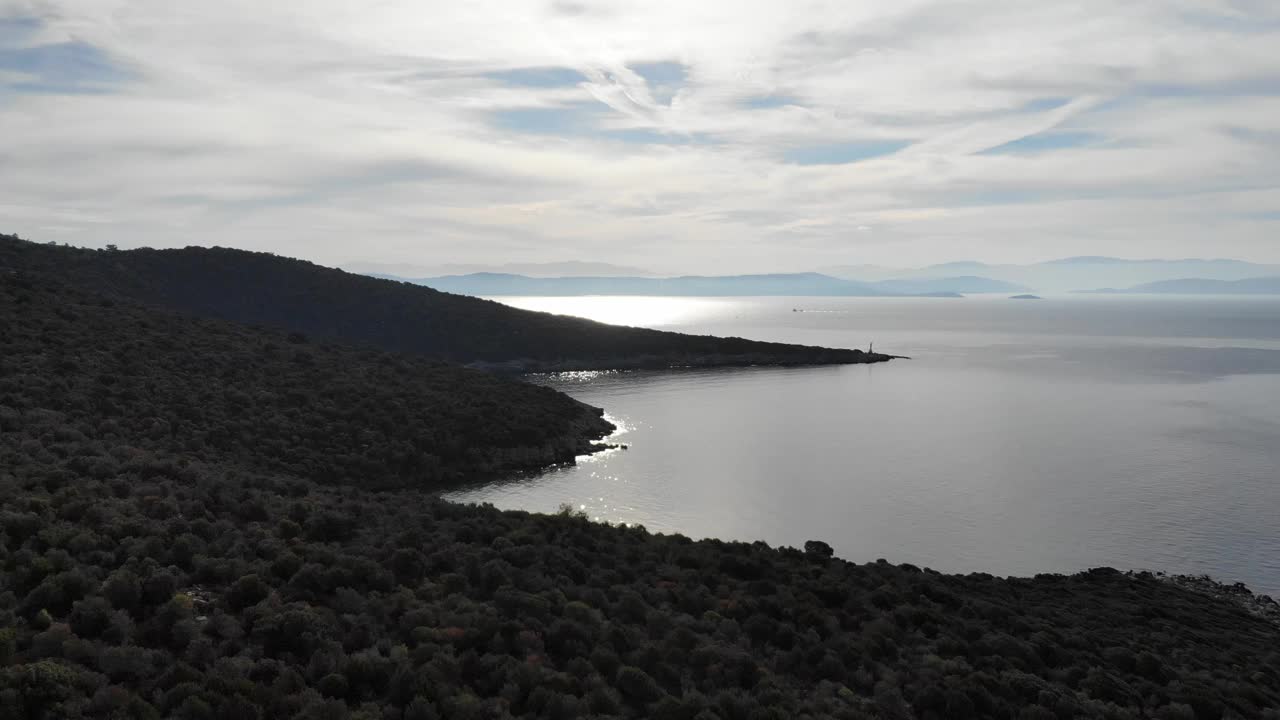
(1257, 604)
(802, 356)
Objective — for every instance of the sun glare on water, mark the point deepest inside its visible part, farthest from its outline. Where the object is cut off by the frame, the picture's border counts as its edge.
(632, 311)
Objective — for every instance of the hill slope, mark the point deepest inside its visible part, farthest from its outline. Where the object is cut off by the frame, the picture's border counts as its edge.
(258, 288)
(166, 551)
(110, 373)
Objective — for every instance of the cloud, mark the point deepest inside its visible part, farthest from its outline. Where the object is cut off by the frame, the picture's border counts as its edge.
(539, 77)
(1045, 142)
(713, 136)
(32, 64)
(841, 153)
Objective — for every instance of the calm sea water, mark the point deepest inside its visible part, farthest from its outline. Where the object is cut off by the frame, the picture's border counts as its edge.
(1022, 436)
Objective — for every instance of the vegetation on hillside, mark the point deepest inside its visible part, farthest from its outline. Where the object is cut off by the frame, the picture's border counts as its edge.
(167, 552)
(259, 288)
(113, 374)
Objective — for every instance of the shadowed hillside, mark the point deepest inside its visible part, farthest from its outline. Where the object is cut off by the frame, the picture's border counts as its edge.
(126, 380)
(258, 288)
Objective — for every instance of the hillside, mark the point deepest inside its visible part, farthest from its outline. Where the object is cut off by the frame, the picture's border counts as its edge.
(171, 545)
(258, 288)
(122, 382)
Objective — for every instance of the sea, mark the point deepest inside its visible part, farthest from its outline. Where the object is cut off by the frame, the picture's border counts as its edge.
(1021, 437)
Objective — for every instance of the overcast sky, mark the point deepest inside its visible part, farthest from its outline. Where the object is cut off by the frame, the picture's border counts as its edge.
(696, 136)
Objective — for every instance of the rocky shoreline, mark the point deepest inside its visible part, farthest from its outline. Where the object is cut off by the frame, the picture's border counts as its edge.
(1256, 604)
(581, 437)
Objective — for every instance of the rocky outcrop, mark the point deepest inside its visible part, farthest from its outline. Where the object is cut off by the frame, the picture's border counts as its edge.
(1256, 604)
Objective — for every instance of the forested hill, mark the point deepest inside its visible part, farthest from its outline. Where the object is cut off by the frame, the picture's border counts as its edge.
(259, 288)
(118, 382)
(172, 546)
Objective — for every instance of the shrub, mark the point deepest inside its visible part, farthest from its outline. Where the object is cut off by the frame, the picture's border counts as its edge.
(637, 686)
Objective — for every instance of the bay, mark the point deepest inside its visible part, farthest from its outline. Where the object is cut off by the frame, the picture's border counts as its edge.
(1023, 436)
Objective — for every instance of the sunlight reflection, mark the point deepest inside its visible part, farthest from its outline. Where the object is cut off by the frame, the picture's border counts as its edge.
(579, 375)
(634, 311)
(622, 427)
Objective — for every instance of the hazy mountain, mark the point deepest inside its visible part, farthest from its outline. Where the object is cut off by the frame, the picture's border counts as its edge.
(868, 273)
(960, 266)
(799, 284)
(493, 284)
(1098, 260)
(966, 276)
(1070, 274)
(571, 268)
(962, 284)
(1202, 286)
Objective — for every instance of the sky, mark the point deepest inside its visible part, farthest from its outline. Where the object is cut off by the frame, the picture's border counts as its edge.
(708, 136)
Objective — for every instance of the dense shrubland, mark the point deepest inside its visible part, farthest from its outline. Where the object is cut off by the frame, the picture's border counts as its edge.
(210, 592)
(106, 375)
(166, 550)
(259, 288)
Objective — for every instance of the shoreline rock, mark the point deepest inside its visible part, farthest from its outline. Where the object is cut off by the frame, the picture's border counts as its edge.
(1256, 604)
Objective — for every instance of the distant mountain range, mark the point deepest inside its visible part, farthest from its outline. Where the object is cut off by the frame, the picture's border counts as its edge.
(570, 268)
(811, 284)
(1070, 274)
(1203, 286)
(959, 284)
(1073, 274)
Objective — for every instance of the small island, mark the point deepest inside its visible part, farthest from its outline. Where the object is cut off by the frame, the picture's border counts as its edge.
(1026, 297)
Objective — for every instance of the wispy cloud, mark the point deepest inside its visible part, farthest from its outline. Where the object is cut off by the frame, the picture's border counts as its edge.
(1045, 142)
(842, 153)
(32, 64)
(717, 135)
(539, 77)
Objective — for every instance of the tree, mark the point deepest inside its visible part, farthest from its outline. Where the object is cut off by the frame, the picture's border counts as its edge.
(818, 549)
